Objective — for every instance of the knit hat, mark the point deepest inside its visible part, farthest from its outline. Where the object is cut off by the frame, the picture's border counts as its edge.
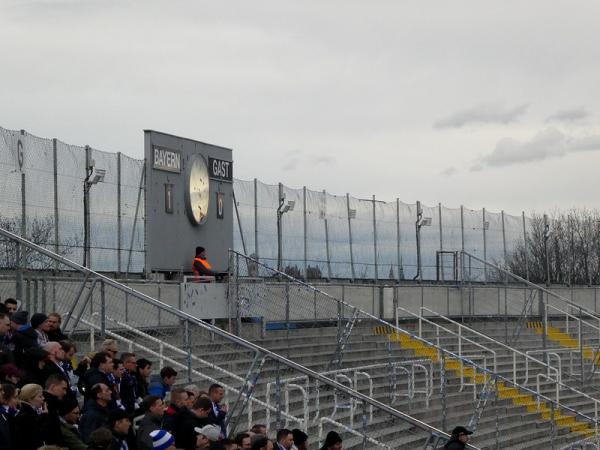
(67, 405)
(19, 317)
(29, 391)
(161, 439)
(212, 432)
(37, 319)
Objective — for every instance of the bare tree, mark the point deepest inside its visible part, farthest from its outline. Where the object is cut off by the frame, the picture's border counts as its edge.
(573, 249)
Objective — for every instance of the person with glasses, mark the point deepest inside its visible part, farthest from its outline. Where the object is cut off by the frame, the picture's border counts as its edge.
(69, 418)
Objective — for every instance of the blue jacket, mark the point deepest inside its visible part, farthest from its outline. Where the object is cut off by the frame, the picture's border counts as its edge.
(158, 387)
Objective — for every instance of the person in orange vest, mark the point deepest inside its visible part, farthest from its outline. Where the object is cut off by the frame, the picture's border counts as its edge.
(201, 266)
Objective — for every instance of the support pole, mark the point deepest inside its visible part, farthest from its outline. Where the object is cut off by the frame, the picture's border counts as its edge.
(462, 228)
(119, 220)
(304, 219)
(55, 171)
(237, 216)
(375, 241)
(398, 253)
(504, 240)
(350, 238)
(419, 274)
(526, 246)
(441, 241)
(256, 254)
(546, 250)
(326, 235)
(484, 226)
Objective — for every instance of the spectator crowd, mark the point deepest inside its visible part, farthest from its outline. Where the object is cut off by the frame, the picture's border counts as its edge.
(109, 400)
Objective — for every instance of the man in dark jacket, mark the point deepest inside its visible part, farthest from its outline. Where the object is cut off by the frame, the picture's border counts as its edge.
(187, 420)
(142, 374)
(55, 392)
(54, 332)
(128, 390)
(459, 439)
(218, 412)
(119, 423)
(178, 401)
(100, 366)
(95, 410)
(69, 417)
(151, 421)
(23, 336)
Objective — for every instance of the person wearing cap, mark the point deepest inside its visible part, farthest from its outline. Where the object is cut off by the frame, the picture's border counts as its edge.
(333, 441)
(458, 439)
(200, 266)
(162, 440)
(152, 420)
(69, 418)
(205, 436)
(119, 424)
(300, 440)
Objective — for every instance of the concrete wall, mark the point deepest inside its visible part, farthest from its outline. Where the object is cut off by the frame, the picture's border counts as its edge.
(269, 300)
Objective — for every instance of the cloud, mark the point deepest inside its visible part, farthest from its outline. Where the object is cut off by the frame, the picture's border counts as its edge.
(325, 160)
(483, 113)
(568, 115)
(546, 144)
(449, 171)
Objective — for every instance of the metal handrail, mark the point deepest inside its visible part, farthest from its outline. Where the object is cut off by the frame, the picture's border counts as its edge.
(170, 347)
(415, 337)
(229, 336)
(496, 342)
(180, 365)
(532, 285)
(458, 335)
(578, 320)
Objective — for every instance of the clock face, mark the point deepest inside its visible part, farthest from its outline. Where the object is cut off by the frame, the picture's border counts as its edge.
(197, 192)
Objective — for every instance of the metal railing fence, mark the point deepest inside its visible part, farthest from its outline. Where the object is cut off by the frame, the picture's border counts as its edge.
(287, 310)
(97, 299)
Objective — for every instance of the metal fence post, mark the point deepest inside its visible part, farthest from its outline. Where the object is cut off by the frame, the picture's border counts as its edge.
(443, 382)
(419, 275)
(484, 245)
(256, 254)
(350, 237)
(305, 223)
(441, 262)
(462, 228)
(119, 224)
(398, 254)
(102, 310)
(526, 246)
(504, 240)
(375, 241)
(55, 174)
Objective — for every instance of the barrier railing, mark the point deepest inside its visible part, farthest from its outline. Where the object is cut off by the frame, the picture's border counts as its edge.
(98, 293)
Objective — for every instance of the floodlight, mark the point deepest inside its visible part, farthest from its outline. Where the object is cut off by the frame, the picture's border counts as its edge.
(486, 225)
(352, 213)
(425, 222)
(97, 176)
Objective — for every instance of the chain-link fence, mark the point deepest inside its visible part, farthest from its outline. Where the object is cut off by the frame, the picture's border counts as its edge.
(42, 196)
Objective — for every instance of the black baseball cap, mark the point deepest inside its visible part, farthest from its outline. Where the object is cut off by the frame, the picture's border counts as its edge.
(460, 430)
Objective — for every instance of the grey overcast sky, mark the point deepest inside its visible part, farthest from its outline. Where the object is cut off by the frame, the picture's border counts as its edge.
(481, 103)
